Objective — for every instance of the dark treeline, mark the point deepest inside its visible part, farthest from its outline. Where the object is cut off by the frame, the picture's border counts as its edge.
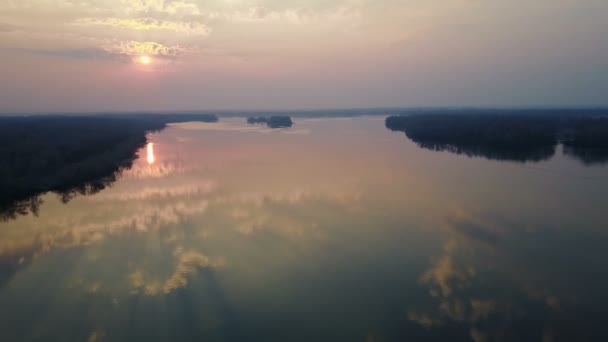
(519, 136)
(585, 132)
(68, 155)
(272, 122)
(507, 131)
(551, 112)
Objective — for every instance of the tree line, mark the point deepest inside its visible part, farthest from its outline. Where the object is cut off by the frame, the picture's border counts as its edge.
(518, 135)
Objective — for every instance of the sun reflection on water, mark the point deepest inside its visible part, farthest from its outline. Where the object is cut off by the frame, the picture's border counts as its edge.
(150, 149)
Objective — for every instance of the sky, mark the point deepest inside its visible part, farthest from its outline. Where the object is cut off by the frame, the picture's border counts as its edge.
(88, 56)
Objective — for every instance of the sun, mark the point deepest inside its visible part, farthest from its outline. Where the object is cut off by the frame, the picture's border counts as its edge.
(145, 60)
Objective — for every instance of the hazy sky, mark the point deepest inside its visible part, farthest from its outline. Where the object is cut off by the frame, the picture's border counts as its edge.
(70, 55)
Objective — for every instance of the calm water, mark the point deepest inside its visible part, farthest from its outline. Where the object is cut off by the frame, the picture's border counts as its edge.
(333, 230)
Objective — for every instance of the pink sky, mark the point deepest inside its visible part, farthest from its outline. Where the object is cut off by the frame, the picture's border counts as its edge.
(62, 55)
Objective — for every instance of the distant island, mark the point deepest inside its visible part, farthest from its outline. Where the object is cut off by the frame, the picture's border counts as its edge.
(518, 136)
(272, 122)
(69, 155)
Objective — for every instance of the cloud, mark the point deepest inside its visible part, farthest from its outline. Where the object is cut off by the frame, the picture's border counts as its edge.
(172, 7)
(147, 24)
(134, 48)
(140, 284)
(444, 275)
(76, 232)
(423, 319)
(181, 8)
(84, 53)
(156, 193)
(482, 308)
(455, 310)
(188, 264)
(122, 51)
(475, 226)
(156, 170)
(293, 15)
(478, 335)
(97, 336)
(453, 285)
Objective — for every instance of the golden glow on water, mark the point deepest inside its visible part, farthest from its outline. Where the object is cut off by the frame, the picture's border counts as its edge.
(150, 149)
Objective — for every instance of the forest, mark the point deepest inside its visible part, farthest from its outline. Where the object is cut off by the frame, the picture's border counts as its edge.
(68, 155)
(517, 136)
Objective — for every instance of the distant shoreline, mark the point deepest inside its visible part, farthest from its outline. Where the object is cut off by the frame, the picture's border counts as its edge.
(335, 112)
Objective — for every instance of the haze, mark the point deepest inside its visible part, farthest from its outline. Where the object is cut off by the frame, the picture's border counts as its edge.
(62, 55)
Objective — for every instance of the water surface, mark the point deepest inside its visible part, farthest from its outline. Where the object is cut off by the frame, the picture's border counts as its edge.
(332, 230)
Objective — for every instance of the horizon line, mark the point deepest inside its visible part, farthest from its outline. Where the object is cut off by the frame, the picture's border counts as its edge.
(376, 110)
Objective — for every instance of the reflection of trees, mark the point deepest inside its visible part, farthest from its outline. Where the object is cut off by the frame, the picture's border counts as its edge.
(519, 136)
(586, 139)
(588, 156)
(11, 211)
(533, 154)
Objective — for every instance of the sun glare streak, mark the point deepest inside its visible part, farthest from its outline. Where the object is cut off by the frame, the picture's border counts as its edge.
(150, 149)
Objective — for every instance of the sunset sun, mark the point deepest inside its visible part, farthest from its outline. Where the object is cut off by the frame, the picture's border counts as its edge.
(145, 60)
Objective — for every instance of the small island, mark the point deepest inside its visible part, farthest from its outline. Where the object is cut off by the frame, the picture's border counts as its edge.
(272, 122)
